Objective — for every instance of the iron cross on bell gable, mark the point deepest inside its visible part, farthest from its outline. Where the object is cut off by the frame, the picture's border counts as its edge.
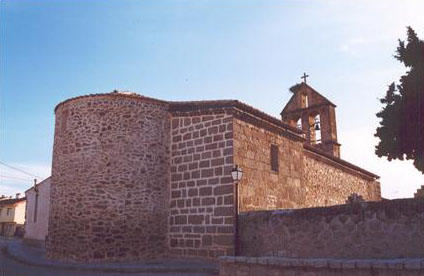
(304, 77)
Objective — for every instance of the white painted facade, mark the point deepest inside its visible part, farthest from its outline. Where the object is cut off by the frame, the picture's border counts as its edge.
(12, 216)
(37, 211)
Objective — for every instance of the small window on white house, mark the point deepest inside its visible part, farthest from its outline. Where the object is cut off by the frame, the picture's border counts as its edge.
(8, 211)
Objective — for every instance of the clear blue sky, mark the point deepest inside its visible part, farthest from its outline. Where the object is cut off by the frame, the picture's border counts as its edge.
(190, 50)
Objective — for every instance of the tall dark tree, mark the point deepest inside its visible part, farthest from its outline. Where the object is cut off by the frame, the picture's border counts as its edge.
(401, 130)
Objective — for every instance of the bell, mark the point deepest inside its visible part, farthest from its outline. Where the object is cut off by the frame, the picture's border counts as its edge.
(317, 126)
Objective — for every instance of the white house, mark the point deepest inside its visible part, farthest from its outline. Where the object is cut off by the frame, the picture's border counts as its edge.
(12, 215)
(37, 211)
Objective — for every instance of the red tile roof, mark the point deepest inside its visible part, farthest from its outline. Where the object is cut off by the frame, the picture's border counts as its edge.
(11, 201)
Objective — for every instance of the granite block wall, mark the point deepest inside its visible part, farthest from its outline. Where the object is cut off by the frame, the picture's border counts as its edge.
(202, 191)
(303, 179)
(329, 183)
(262, 188)
(110, 179)
(385, 229)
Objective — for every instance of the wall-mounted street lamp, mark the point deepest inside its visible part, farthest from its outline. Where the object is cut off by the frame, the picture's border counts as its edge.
(236, 175)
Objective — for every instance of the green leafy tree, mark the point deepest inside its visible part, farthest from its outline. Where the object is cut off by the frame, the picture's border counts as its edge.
(401, 130)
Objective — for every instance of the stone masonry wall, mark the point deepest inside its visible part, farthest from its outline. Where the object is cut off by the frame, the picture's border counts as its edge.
(304, 178)
(110, 179)
(328, 183)
(202, 196)
(272, 266)
(385, 229)
(135, 177)
(262, 188)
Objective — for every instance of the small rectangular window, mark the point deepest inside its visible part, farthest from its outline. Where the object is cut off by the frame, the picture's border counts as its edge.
(8, 211)
(274, 158)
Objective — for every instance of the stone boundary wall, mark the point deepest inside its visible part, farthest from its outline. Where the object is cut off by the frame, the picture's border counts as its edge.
(264, 266)
(386, 229)
(202, 191)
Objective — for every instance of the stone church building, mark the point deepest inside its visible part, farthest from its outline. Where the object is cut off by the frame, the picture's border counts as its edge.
(135, 177)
